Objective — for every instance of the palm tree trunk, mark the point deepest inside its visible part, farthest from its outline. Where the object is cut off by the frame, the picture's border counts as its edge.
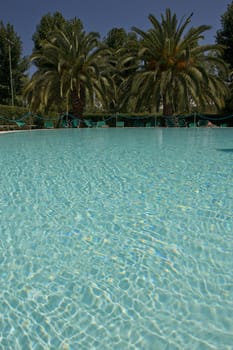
(78, 107)
(167, 110)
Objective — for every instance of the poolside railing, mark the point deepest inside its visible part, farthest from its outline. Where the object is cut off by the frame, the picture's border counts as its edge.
(66, 120)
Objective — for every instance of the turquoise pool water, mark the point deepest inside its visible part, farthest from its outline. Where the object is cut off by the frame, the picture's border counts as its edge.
(116, 239)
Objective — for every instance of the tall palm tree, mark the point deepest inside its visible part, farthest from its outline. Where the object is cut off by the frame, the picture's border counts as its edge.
(175, 68)
(70, 69)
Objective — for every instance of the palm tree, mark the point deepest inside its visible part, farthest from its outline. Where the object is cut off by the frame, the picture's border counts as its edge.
(122, 48)
(70, 70)
(175, 68)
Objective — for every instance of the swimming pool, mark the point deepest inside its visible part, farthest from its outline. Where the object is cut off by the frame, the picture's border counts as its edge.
(116, 239)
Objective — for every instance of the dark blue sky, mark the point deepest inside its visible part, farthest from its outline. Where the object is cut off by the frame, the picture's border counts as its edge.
(103, 15)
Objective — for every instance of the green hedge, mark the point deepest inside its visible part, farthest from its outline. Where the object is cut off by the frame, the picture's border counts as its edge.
(12, 112)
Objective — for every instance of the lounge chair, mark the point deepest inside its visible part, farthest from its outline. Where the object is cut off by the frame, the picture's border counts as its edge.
(192, 125)
(20, 123)
(170, 122)
(75, 123)
(48, 124)
(101, 124)
(120, 124)
(181, 122)
(64, 123)
(88, 123)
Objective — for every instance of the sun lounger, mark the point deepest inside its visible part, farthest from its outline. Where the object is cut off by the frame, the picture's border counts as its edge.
(48, 124)
(75, 123)
(120, 124)
(100, 124)
(20, 123)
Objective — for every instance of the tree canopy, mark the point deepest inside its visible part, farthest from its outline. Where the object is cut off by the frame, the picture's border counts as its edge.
(48, 24)
(175, 69)
(163, 68)
(224, 36)
(13, 67)
(122, 63)
(70, 69)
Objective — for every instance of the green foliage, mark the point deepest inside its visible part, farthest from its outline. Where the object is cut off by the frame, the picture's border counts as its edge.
(175, 68)
(138, 71)
(11, 57)
(69, 64)
(117, 38)
(48, 24)
(122, 63)
(14, 112)
(225, 35)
